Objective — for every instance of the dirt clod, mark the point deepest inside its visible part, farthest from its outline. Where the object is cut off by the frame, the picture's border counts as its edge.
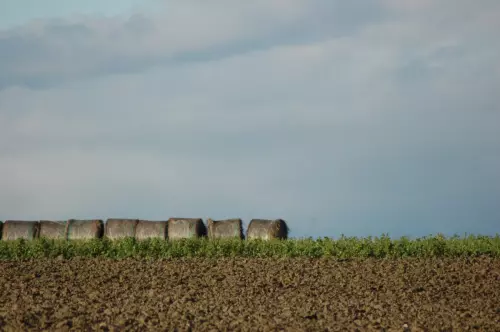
(251, 295)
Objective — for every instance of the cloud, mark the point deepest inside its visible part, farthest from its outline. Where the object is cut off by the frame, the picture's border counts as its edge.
(387, 122)
(51, 52)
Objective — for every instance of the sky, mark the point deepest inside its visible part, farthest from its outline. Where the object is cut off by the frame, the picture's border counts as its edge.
(340, 117)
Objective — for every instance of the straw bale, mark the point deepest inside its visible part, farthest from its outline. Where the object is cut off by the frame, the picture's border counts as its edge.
(267, 229)
(53, 229)
(147, 229)
(85, 229)
(184, 228)
(120, 228)
(227, 228)
(20, 229)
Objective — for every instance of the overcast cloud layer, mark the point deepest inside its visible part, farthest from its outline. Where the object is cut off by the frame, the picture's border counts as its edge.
(349, 117)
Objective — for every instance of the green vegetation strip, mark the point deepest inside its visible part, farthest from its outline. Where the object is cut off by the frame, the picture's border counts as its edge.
(342, 248)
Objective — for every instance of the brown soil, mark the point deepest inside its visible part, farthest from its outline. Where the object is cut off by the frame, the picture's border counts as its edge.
(251, 295)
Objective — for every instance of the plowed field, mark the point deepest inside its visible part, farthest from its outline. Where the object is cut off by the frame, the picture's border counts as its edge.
(251, 294)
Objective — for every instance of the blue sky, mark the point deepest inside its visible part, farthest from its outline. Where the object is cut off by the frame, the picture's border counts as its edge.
(356, 117)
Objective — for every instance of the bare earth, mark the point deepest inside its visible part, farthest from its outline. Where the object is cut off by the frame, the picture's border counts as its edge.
(251, 295)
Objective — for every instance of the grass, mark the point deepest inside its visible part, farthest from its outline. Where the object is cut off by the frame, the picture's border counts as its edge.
(342, 248)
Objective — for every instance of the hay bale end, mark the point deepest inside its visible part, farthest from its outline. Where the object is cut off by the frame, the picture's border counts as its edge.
(185, 228)
(227, 228)
(267, 229)
(85, 229)
(20, 229)
(53, 229)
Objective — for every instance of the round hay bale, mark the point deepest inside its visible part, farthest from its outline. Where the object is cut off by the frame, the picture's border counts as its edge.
(84, 229)
(120, 228)
(53, 229)
(185, 228)
(19, 229)
(228, 228)
(266, 229)
(147, 229)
